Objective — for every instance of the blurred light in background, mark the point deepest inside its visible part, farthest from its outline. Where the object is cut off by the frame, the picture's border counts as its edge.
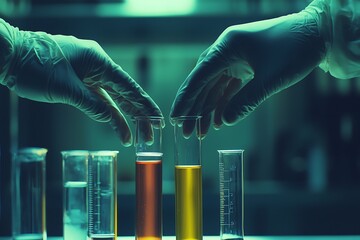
(302, 157)
(159, 7)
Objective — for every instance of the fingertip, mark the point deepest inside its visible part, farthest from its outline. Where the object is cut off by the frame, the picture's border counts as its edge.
(163, 124)
(202, 137)
(127, 139)
(127, 143)
(158, 124)
(125, 136)
(172, 121)
(121, 128)
(229, 117)
(217, 127)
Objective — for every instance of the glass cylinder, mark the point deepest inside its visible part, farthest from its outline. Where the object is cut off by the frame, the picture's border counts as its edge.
(75, 168)
(188, 180)
(148, 141)
(102, 198)
(28, 194)
(231, 194)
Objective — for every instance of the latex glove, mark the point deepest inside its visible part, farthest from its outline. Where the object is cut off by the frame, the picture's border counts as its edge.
(250, 62)
(64, 69)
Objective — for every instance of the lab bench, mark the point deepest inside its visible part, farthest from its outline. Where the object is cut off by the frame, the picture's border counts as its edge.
(246, 238)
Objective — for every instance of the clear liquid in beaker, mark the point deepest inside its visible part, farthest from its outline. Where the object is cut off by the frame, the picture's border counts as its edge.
(29, 237)
(75, 210)
(29, 204)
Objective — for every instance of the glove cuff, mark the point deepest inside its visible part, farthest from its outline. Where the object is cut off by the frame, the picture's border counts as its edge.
(320, 10)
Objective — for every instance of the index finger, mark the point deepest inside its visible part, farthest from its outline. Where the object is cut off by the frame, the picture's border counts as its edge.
(128, 94)
(212, 65)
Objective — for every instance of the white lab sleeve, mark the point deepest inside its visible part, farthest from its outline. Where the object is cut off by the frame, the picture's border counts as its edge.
(7, 36)
(339, 21)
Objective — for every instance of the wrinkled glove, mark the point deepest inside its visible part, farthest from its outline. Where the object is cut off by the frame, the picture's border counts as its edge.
(64, 69)
(250, 62)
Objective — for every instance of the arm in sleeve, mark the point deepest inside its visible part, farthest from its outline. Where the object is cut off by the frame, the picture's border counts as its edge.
(339, 22)
(7, 35)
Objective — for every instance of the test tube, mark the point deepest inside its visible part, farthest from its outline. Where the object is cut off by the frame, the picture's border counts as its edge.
(28, 194)
(188, 180)
(75, 164)
(231, 194)
(148, 140)
(102, 199)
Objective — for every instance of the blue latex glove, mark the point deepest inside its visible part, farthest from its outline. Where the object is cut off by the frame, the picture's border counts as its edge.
(250, 62)
(64, 69)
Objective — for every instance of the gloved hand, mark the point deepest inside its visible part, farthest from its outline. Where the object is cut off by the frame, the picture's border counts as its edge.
(64, 69)
(250, 62)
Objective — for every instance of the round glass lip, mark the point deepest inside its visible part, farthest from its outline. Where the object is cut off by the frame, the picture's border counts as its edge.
(149, 154)
(30, 154)
(66, 153)
(104, 153)
(231, 151)
(33, 150)
(193, 117)
(148, 117)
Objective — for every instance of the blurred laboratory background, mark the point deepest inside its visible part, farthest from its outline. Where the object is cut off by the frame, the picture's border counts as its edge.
(302, 153)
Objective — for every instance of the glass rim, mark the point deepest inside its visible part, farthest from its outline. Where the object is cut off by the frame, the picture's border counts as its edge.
(104, 153)
(192, 117)
(229, 151)
(149, 154)
(30, 154)
(32, 150)
(148, 117)
(74, 152)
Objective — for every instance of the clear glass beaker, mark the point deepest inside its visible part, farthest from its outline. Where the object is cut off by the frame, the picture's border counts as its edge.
(231, 194)
(102, 198)
(28, 194)
(75, 164)
(188, 180)
(148, 141)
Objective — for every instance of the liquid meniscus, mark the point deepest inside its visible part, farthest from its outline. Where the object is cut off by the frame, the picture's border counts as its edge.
(75, 210)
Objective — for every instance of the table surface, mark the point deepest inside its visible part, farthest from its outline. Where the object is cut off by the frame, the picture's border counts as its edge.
(246, 238)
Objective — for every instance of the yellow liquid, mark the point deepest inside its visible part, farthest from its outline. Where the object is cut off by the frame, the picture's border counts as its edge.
(188, 202)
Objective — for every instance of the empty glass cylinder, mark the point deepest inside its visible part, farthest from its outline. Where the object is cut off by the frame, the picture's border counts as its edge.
(28, 194)
(231, 194)
(102, 199)
(188, 180)
(75, 167)
(148, 141)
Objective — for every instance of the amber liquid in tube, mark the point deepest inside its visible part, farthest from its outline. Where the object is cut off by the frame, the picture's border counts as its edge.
(148, 199)
(188, 201)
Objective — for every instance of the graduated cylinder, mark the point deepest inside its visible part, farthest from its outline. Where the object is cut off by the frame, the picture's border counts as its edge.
(148, 141)
(102, 202)
(188, 180)
(231, 167)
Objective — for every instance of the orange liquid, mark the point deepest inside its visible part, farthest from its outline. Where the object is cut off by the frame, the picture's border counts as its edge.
(148, 200)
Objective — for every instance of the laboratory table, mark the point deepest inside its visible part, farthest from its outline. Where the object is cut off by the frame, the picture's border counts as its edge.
(348, 237)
